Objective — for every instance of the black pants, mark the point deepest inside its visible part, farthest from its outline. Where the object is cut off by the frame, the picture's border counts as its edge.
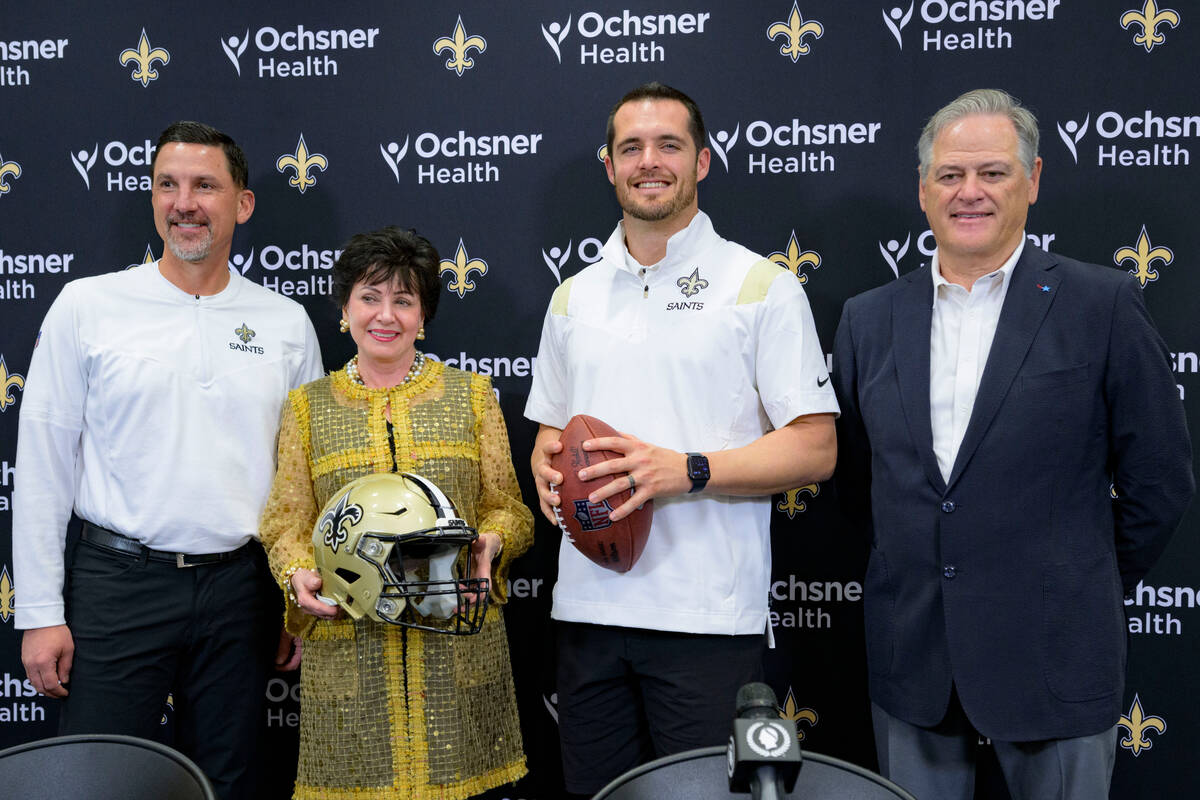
(207, 634)
(629, 695)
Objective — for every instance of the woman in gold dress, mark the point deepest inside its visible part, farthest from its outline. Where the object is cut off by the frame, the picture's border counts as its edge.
(387, 711)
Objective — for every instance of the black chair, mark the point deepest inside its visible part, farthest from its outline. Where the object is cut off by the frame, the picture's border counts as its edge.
(100, 767)
(702, 775)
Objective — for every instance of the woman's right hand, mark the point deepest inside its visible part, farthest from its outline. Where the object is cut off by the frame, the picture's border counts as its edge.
(306, 583)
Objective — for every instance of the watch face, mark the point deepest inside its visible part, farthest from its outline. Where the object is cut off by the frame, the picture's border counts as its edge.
(698, 468)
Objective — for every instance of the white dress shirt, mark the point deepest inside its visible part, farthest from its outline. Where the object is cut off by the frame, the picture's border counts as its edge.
(960, 338)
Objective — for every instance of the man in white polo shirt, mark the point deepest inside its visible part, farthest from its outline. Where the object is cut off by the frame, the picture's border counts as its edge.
(151, 410)
(704, 355)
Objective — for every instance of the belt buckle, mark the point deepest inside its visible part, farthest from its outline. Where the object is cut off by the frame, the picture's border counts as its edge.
(180, 563)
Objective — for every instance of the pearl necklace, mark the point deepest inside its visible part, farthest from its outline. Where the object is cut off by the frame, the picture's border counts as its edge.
(414, 370)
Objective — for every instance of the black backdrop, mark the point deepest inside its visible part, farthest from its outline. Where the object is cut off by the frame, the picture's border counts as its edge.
(485, 138)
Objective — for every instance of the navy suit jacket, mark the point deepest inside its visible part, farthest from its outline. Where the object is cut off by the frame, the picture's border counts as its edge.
(1007, 579)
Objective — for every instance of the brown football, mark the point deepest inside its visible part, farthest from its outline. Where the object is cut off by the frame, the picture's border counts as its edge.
(612, 545)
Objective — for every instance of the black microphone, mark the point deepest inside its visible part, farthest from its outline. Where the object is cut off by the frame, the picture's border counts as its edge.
(764, 752)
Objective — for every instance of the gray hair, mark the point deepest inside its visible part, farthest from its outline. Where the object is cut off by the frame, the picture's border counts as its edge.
(982, 101)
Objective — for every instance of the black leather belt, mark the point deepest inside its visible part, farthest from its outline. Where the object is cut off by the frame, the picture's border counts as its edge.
(118, 543)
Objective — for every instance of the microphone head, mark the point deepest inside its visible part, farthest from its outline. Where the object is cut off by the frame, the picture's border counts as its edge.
(756, 700)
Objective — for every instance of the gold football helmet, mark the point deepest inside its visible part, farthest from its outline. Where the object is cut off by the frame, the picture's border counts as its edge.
(393, 548)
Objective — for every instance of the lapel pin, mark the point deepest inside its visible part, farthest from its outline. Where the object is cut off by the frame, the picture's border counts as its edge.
(1043, 287)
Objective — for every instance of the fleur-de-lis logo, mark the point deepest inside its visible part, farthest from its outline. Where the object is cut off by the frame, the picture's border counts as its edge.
(692, 284)
(1138, 724)
(1143, 254)
(301, 162)
(8, 169)
(144, 56)
(791, 710)
(147, 258)
(459, 44)
(794, 30)
(334, 526)
(7, 384)
(8, 595)
(244, 333)
(461, 268)
(1148, 19)
(791, 504)
(793, 259)
(168, 705)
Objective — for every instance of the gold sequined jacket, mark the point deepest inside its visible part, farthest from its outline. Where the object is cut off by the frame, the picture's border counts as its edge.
(390, 712)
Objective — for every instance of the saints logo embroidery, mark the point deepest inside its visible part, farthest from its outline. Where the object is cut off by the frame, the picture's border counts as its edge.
(692, 284)
(335, 522)
(244, 333)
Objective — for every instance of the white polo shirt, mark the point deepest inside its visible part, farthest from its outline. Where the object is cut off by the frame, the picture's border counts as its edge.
(707, 350)
(151, 412)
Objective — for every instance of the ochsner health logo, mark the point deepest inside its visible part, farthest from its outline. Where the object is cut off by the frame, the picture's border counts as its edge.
(1154, 138)
(895, 19)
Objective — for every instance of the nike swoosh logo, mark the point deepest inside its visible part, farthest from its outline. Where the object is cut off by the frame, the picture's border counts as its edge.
(821, 383)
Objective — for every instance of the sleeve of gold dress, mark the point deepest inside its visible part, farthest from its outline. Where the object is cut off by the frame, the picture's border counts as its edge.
(287, 520)
(501, 509)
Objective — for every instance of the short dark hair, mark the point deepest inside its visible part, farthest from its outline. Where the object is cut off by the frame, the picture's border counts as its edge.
(660, 91)
(385, 255)
(187, 132)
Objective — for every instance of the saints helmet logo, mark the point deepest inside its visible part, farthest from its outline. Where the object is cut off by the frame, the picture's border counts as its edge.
(692, 284)
(794, 31)
(459, 44)
(461, 267)
(794, 260)
(1138, 724)
(144, 57)
(335, 522)
(8, 169)
(7, 595)
(7, 384)
(1143, 255)
(791, 504)
(244, 333)
(1148, 19)
(301, 162)
(791, 710)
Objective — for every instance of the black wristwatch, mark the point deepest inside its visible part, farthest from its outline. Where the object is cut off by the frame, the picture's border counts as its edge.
(697, 470)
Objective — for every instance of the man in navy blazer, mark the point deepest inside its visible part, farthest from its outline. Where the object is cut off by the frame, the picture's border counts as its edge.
(1013, 443)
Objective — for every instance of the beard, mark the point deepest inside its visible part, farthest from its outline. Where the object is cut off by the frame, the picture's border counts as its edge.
(193, 251)
(655, 211)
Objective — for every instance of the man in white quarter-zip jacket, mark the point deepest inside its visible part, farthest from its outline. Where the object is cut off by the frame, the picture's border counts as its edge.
(705, 357)
(150, 409)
